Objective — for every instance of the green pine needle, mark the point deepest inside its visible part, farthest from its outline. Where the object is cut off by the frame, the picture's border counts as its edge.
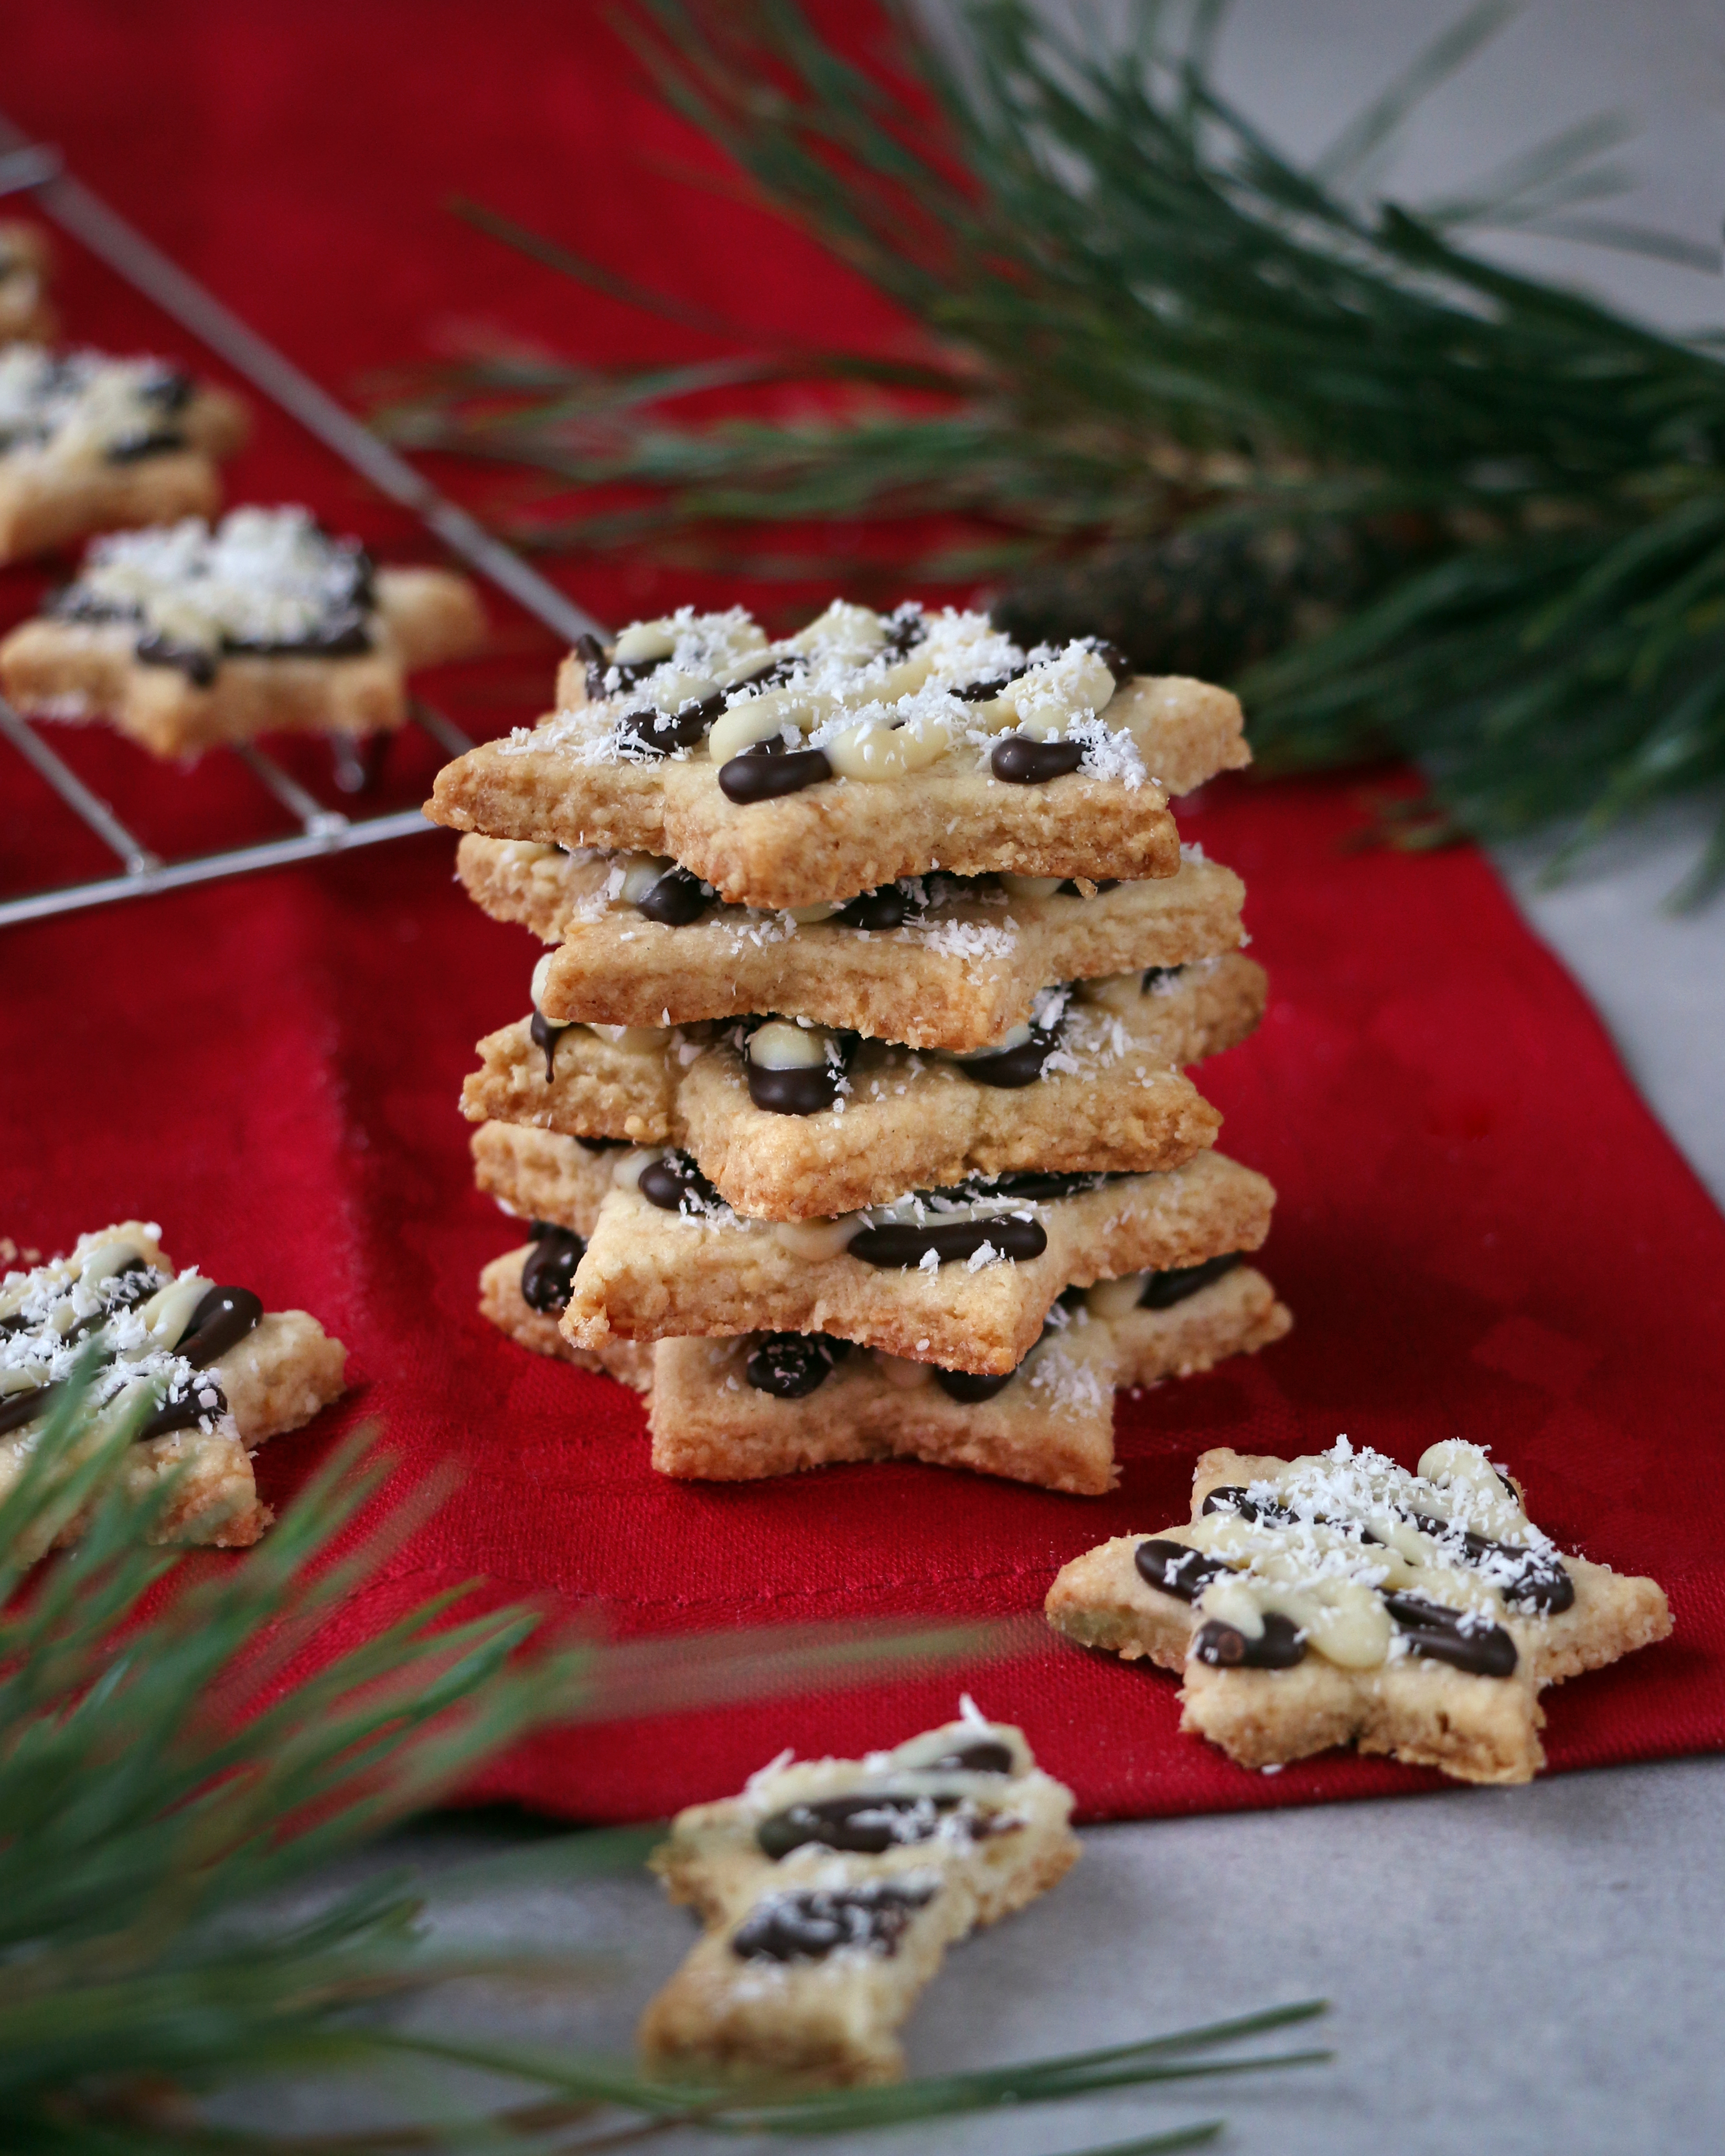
(175, 1758)
(1136, 316)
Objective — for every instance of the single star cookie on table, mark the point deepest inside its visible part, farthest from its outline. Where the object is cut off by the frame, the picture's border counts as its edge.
(865, 748)
(936, 961)
(1339, 1598)
(90, 443)
(830, 1890)
(183, 636)
(792, 1122)
(231, 1374)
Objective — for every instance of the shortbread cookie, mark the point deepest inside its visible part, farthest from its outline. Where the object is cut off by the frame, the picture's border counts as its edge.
(25, 262)
(863, 749)
(1339, 1598)
(232, 1374)
(961, 1277)
(830, 1890)
(541, 1175)
(936, 961)
(792, 1123)
(524, 1292)
(774, 1403)
(88, 444)
(1081, 1089)
(183, 636)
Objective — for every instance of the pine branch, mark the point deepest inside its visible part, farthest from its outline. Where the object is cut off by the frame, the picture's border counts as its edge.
(161, 1789)
(1151, 330)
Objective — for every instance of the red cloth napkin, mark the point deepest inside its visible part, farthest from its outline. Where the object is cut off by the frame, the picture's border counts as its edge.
(1481, 1230)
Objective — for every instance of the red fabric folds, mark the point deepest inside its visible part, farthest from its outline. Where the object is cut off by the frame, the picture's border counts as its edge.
(1481, 1230)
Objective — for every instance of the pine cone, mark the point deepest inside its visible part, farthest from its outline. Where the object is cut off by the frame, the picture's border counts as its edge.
(1207, 603)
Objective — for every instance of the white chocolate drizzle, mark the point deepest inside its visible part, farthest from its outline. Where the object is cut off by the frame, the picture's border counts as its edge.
(879, 694)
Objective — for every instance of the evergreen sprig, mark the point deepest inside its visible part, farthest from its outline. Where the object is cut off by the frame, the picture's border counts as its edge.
(1137, 316)
(180, 1763)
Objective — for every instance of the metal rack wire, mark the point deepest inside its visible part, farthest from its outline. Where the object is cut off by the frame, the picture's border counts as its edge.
(27, 166)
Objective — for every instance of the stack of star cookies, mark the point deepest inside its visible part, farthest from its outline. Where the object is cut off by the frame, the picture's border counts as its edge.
(850, 1113)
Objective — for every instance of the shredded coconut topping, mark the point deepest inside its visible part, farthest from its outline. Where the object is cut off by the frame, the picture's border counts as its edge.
(81, 404)
(262, 577)
(111, 1293)
(884, 694)
(1323, 1539)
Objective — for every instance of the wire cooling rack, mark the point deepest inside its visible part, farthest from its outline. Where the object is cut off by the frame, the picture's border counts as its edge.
(38, 170)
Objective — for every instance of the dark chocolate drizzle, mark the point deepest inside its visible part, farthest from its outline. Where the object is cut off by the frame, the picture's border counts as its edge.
(660, 732)
(197, 662)
(675, 1184)
(792, 1365)
(342, 634)
(971, 1387)
(678, 898)
(589, 648)
(769, 770)
(544, 1035)
(1173, 1569)
(185, 1413)
(801, 1089)
(548, 1274)
(989, 685)
(987, 1756)
(1038, 1182)
(1013, 1067)
(170, 389)
(776, 672)
(138, 1280)
(884, 908)
(906, 1243)
(805, 1090)
(146, 442)
(224, 1315)
(1536, 1579)
(908, 628)
(343, 631)
(811, 1925)
(1427, 1628)
(867, 1824)
(21, 1407)
(1279, 1646)
(1540, 1581)
(1235, 1498)
(1163, 1290)
(1450, 1635)
(1020, 760)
